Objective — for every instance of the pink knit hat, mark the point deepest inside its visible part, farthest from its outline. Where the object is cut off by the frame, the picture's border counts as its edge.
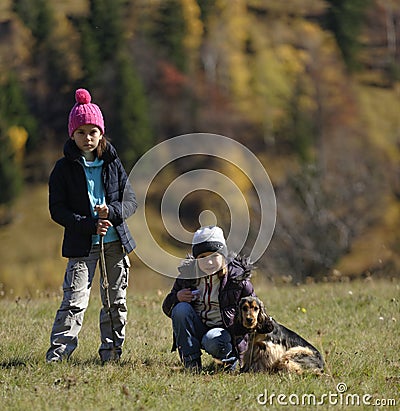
(84, 112)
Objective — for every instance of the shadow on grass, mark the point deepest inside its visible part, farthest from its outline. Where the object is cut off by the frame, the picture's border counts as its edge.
(74, 362)
(13, 363)
(95, 361)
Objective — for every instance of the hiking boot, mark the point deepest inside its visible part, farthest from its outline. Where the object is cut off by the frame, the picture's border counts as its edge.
(107, 356)
(193, 365)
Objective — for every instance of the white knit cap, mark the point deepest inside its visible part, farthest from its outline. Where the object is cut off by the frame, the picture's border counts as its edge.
(209, 238)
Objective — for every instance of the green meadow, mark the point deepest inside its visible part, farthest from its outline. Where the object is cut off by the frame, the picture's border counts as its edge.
(354, 324)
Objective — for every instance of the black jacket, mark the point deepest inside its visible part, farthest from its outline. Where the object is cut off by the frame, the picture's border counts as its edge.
(70, 206)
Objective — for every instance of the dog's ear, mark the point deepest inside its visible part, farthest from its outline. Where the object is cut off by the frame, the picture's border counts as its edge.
(264, 323)
(262, 314)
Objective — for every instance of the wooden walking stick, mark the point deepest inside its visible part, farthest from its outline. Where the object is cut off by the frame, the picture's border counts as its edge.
(107, 304)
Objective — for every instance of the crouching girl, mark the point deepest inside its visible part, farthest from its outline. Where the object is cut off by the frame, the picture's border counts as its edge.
(204, 298)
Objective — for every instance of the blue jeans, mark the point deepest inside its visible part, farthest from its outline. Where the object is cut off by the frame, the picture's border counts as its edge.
(192, 335)
(76, 291)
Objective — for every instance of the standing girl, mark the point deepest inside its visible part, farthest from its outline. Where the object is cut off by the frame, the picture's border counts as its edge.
(90, 196)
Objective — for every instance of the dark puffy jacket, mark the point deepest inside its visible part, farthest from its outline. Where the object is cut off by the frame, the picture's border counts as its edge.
(235, 285)
(70, 206)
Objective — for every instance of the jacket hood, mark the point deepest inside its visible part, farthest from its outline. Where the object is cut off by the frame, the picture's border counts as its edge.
(239, 267)
(72, 152)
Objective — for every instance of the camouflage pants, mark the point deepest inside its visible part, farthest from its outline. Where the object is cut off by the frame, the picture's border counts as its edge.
(77, 285)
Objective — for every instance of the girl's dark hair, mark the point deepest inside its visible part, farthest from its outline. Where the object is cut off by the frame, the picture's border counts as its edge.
(101, 148)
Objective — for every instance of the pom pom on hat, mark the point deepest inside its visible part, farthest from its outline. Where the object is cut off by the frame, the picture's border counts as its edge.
(82, 96)
(84, 112)
(209, 239)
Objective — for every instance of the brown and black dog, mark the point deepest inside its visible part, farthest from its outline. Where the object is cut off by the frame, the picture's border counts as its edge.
(271, 346)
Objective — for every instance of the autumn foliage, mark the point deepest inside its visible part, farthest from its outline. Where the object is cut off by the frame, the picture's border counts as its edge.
(300, 83)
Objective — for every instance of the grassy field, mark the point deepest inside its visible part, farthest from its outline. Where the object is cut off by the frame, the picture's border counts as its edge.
(355, 325)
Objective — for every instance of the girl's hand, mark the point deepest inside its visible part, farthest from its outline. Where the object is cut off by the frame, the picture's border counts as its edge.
(184, 295)
(102, 210)
(102, 226)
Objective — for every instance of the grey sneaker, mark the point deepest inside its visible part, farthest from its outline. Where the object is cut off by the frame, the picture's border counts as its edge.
(54, 360)
(230, 364)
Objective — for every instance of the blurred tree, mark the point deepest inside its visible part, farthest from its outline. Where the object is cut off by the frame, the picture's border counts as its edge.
(14, 109)
(194, 32)
(321, 214)
(44, 20)
(105, 21)
(298, 126)
(131, 126)
(231, 28)
(169, 30)
(14, 121)
(106, 61)
(37, 16)
(90, 54)
(54, 61)
(101, 40)
(207, 8)
(345, 19)
(27, 12)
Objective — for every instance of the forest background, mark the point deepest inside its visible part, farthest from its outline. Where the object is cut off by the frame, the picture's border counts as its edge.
(311, 87)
